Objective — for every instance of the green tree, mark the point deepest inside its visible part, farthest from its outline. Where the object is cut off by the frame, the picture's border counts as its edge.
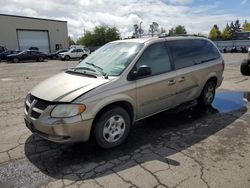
(136, 31)
(163, 30)
(171, 31)
(227, 33)
(235, 27)
(100, 36)
(215, 33)
(153, 28)
(71, 41)
(178, 30)
(246, 26)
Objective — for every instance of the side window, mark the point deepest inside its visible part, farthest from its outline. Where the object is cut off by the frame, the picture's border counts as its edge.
(191, 52)
(74, 51)
(209, 51)
(79, 50)
(33, 53)
(156, 57)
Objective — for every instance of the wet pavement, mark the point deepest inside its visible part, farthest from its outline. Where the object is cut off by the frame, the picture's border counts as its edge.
(226, 101)
(188, 146)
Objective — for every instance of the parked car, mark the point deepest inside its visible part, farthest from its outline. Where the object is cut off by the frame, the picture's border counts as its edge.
(27, 55)
(74, 53)
(234, 50)
(55, 54)
(121, 83)
(245, 65)
(3, 55)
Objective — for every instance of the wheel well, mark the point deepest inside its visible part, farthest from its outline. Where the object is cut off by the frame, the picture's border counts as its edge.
(124, 104)
(213, 79)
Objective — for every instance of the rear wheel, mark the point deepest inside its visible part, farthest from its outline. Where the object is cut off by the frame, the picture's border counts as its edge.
(67, 58)
(84, 56)
(15, 60)
(112, 127)
(245, 67)
(207, 95)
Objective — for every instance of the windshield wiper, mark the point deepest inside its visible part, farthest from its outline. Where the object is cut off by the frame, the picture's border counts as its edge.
(73, 70)
(100, 69)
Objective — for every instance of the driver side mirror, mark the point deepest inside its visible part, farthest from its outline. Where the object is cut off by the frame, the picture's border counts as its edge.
(142, 71)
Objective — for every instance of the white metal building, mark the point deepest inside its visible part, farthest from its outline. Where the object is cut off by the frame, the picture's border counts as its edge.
(20, 32)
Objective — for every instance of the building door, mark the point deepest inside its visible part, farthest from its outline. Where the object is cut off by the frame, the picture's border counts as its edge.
(31, 38)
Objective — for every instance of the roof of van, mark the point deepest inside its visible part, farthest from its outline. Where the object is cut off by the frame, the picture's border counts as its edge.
(148, 39)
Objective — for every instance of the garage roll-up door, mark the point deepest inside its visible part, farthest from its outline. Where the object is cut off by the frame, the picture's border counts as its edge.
(27, 39)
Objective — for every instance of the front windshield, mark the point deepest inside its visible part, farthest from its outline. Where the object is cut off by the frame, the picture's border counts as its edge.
(112, 58)
(22, 52)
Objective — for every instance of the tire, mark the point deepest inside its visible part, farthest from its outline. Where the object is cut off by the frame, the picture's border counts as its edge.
(67, 58)
(15, 60)
(207, 95)
(245, 67)
(84, 56)
(40, 59)
(112, 128)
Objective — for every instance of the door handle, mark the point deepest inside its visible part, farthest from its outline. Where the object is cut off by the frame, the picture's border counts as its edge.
(171, 82)
(181, 79)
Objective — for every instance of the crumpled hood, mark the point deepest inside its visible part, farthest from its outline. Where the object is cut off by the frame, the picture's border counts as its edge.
(65, 87)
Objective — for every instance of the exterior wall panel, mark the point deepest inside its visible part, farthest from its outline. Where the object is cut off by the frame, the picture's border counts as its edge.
(57, 30)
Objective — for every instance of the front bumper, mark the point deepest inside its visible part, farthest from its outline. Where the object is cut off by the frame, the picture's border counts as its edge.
(62, 130)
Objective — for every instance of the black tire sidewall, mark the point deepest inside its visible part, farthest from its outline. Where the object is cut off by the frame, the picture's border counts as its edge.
(40, 59)
(202, 100)
(15, 61)
(244, 68)
(67, 58)
(100, 122)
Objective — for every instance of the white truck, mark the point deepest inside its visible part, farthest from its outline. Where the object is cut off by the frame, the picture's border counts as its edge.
(74, 53)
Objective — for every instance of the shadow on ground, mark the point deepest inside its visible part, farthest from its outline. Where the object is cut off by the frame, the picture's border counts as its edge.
(155, 138)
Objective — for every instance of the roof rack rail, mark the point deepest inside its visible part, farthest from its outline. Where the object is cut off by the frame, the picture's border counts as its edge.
(180, 35)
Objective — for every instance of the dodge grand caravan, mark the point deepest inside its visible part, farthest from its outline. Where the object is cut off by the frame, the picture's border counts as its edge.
(121, 83)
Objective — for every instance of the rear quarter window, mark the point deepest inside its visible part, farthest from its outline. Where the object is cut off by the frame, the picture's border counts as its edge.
(189, 52)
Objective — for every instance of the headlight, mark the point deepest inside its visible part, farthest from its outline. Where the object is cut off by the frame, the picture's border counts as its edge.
(67, 110)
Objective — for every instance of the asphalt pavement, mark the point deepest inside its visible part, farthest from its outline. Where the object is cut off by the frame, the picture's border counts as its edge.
(184, 147)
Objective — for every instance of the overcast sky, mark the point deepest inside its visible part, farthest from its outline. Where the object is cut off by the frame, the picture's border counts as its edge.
(198, 16)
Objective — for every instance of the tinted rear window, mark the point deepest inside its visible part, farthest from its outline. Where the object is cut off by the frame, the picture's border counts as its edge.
(188, 52)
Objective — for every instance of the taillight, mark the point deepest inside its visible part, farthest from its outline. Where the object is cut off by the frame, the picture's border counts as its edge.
(223, 64)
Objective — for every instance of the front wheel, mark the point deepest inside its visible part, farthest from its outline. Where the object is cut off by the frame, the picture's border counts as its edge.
(40, 59)
(207, 95)
(15, 60)
(112, 127)
(67, 58)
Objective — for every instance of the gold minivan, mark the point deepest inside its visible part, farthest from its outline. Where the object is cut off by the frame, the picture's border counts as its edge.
(120, 83)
